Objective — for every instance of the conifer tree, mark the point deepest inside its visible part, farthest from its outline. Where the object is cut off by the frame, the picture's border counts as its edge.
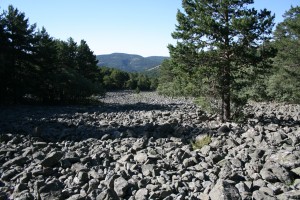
(48, 68)
(17, 52)
(87, 62)
(284, 84)
(221, 41)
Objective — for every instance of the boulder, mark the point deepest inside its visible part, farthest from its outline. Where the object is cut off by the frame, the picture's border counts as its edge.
(141, 157)
(108, 194)
(52, 159)
(141, 194)
(224, 190)
(121, 186)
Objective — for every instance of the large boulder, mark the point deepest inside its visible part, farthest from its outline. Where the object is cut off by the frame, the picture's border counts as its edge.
(121, 186)
(225, 190)
(52, 159)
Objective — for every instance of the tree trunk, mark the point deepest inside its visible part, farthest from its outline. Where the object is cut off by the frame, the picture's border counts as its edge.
(226, 93)
(226, 72)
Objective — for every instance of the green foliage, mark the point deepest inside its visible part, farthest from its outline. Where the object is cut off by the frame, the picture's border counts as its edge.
(115, 79)
(34, 64)
(208, 105)
(199, 143)
(221, 47)
(174, 83)
(16, 54)
(283, 84)
(137, 90)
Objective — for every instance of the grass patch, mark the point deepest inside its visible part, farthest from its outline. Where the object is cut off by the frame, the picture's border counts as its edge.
(199, 143)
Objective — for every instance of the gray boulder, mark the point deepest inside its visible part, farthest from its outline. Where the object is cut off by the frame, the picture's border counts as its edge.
(286, 159)
(52, 159)
(51, 190)
(141, 194)
(293, 194)
(141, 157)
(224, 190)
(108, 194)
(260, 195)
(121, 186)
(19, 161)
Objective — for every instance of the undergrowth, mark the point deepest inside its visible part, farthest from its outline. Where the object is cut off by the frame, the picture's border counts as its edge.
(199, 143)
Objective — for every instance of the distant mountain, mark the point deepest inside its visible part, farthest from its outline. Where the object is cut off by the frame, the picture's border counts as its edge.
(130, 62)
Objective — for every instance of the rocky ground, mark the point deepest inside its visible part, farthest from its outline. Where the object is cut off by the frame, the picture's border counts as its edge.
(138, 146)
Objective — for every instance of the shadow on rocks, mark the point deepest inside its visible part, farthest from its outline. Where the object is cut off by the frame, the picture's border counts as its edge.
(76, 123)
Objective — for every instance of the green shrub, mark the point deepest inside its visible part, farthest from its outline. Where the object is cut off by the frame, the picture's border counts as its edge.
(208, 104)
(137, 90)
(199, 143)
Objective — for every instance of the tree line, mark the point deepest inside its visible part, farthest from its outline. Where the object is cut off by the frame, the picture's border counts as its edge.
(35, 66)
(227, 53)
(115, 79)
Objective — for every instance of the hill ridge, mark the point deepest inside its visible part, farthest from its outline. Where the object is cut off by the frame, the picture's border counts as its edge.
(129, 62)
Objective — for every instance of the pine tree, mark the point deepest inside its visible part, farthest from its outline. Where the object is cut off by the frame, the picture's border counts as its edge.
(48, 68)
(87, 62)
(3, 65)
(221, 41)
(17, 51)
(284, 84)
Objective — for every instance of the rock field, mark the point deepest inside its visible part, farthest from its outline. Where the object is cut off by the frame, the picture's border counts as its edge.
(138, 147)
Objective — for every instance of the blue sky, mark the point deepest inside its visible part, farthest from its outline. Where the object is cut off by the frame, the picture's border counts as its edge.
(141, 27)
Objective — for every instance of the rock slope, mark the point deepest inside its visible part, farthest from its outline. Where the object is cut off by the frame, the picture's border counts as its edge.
(138, 146)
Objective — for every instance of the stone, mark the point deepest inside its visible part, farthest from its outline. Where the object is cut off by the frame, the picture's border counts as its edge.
(40, 145)
(258, 184)
(125, 158)
(281, 173)
(81, 178)
(51, 190)
(223, 129)
(7, 175)
(188, 162)
(140, 144)
(286, 159)
(105, 136)
(52, 159)
(164, 194)
(108, 194)
(267, 190)
(141, 157)
(76, 197)
(296, 171)
(236, 163)
(275, 138)
(205, 150)
(224, 190)
(268, 175)
(19, 161)
(260, 195)
(141, 194)
(293, 194)
(23, 195)
(242, 187)
(148, 170)
(121, 186)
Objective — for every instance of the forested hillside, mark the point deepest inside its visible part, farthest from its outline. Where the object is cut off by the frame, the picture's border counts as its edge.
(129, 62)
(227, 54)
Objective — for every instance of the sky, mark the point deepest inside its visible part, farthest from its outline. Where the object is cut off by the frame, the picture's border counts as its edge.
(140, 27)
